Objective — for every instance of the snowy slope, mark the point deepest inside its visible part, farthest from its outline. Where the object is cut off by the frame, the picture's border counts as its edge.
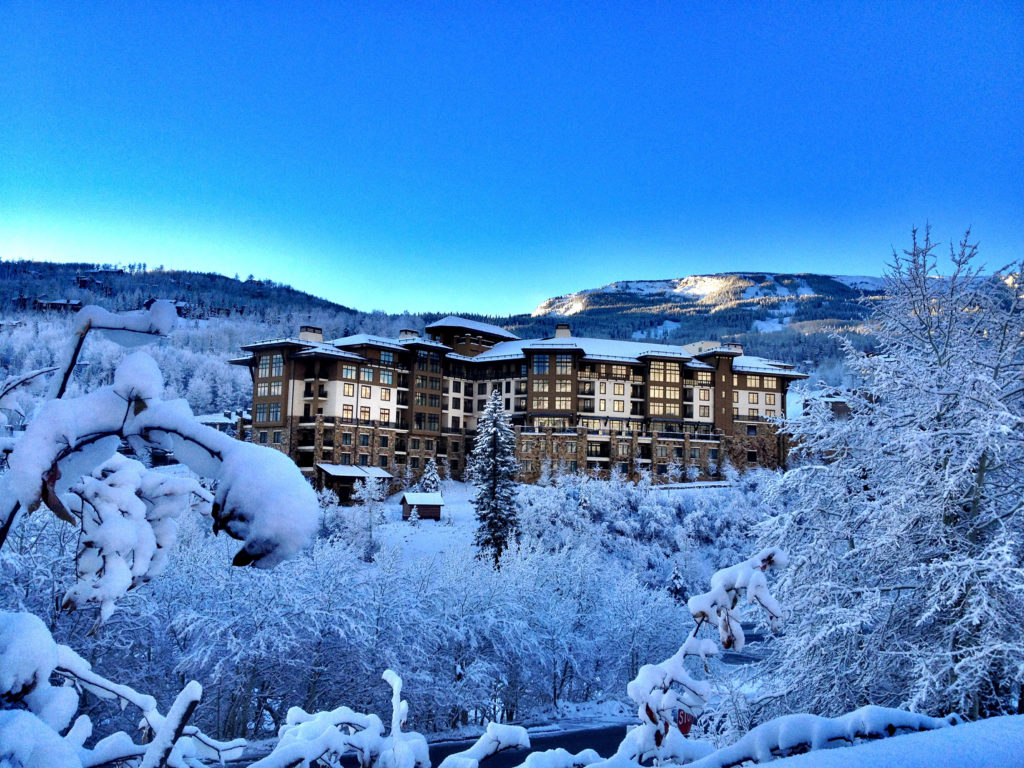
(717, 288)
(994, 743)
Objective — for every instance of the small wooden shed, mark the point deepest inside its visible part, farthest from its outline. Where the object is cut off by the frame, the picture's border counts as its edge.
(428, 505)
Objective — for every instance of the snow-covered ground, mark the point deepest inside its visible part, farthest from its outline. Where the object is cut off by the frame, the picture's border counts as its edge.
(428, 537)
(994, 743)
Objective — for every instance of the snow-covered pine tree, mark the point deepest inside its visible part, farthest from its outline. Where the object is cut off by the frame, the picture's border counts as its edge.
(905, 517)
(369, 495)
(414, 516)
(493, 468)
(430, 482)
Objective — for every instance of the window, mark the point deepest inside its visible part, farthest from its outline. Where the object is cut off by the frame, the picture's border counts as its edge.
(364, 439)
(349, 389)
(262, 390)
(658, 392)
(414, 462)
(421, 382)
(769, 398)
(456, 403)
(348, 371)
(540, 365)
(454, 446)
(570, 447)
(662, 451)
(753, 382)
(752, 456)
(619, 389)
(481, 388)
(264, 370)
(770, 382)
(705, 411)
(385, 394)
(563, 403)
(619, 371)
(619, 406)
(366, 374)
(705, 395)
(274, 414)
(604, 387)
(384, 441)
(415, 443)
(735, 411)
(434, 401)
(263, 437)
(602, 405)
(508, 403)
(435, 383)
(752, 397)
(364, 412)
(735, 396)
(695, 453)
(656, 409)
(541, 386)
(657, 371)
(385, 415)
(563, 385)
(382, 460)
(481, 404)
(770, 413)
(364, 460)
(563, 365)
(346, 411)
(433, 422)
(539, 403)
(735, 380)
(752, 412)
(704, 377)
(751, 430)
(508, 388)
(387, 377)
(713, 454)
(277, 437)
(346, 458)
(261, 412)
(428, 445)
(364, 391)
(388, 358)
(672, 393)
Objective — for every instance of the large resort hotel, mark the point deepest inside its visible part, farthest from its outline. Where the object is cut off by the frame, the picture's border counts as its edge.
(372, 406)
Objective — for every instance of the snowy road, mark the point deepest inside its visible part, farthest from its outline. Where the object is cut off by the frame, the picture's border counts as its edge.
(604, 739)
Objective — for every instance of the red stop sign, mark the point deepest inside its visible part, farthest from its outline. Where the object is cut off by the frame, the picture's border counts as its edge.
(684, 721)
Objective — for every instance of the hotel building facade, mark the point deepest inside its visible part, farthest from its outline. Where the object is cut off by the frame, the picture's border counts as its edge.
(587, 404)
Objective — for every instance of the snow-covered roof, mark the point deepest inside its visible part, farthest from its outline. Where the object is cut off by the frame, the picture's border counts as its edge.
(421, 342)
(423, 499)
(750, 364)
(453, 321)
(326, 349)
(352, 470)
(366, 340)
(594, 349)
(222, 418)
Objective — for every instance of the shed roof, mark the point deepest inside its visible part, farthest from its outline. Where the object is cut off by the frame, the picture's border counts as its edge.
(352, 470)
(423, 499)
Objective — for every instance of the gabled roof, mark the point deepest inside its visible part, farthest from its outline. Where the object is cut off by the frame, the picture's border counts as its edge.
(749, 364)
(366, 340)
(423, 499)
(611, 350)
(453, 321)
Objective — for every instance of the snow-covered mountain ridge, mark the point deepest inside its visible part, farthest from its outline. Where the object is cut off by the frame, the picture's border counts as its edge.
(714, 289)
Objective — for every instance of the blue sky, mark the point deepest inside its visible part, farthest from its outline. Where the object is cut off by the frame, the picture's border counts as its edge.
(481, 157)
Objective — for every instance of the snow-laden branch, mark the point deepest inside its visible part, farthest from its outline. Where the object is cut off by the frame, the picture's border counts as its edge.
(496, 738)
(325, 737)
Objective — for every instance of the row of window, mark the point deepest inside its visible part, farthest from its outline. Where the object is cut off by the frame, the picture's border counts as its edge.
(271, 365)
(769, 412)
(753, 397)
(755, 381)
(264, 412)
(366, 374)
(544, 385)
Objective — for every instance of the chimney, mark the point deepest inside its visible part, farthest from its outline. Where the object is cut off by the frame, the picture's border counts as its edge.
(562, 331)
(311, 333)
(408, 333)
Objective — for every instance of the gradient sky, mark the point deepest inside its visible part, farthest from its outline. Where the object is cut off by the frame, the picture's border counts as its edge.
(482, 157)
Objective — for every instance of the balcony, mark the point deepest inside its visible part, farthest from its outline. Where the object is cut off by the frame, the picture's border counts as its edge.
(585, 388)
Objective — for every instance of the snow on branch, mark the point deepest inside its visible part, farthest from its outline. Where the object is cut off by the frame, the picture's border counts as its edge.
(325, 737)
(797, 734)
(29, 657)
(496, 738)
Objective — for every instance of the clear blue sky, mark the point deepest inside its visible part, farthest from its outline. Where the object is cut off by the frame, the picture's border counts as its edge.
(481, 157)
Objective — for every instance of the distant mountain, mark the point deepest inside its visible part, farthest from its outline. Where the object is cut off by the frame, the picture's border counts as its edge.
(717, 305)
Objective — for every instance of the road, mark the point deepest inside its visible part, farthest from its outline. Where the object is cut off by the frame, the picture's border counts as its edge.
(605, 740)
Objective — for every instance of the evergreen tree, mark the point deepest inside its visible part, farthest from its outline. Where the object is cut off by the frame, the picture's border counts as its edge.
(492, 468)
(369, 495)
(905, 516)
(431, 481)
